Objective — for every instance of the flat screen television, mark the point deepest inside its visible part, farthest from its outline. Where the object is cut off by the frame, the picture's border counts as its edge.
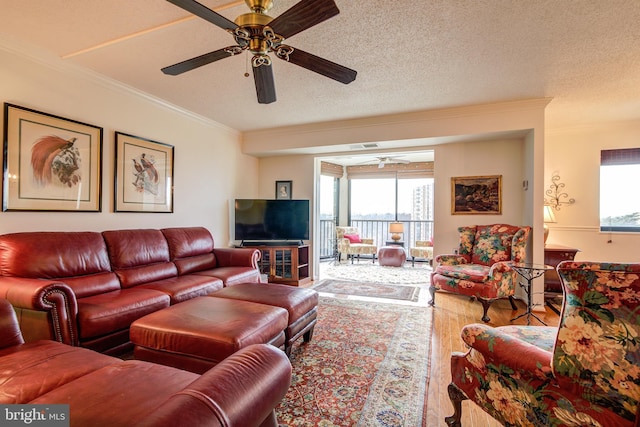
(263, 220)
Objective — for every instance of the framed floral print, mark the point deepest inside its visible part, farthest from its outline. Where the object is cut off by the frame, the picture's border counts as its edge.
(476, 195)
(143, 175)
(51, 163)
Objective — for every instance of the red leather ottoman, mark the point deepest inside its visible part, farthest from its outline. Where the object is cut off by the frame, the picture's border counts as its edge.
(392, 256)
(300, 303)
(199, 333)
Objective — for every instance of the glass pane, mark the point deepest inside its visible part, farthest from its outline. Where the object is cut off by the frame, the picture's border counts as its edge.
(619, 208)
(327, 197)
(373, 198)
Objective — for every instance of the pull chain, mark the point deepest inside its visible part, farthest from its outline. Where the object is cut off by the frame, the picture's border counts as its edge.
(246, 68)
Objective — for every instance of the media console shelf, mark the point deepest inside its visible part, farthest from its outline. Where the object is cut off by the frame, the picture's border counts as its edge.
(284, 264)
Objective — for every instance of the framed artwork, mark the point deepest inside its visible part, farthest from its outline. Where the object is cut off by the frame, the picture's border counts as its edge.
(51, 163)
(283, 190)
(476, 195)
(143, 176)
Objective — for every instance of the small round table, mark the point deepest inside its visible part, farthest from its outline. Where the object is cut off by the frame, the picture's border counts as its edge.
(529, 272)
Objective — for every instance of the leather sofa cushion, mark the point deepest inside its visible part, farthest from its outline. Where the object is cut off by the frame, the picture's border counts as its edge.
(56, 256)
(120, 394)
(139, 256)
(113, 311)
(190, 248)
(132, 248)
(233, 275)
(33, 369)
(182, 288)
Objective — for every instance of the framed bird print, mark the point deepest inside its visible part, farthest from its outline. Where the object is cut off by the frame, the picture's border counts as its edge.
(144, 175)
(51, 163)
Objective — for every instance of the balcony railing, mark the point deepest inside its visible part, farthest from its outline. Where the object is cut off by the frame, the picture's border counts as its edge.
(378, 230)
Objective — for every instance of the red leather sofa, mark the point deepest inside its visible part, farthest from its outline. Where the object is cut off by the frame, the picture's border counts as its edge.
(86, 288)
(102, 390)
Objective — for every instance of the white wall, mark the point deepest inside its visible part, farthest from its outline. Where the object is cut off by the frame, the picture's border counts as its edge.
(502, 157)
(209, 168)
(575, 155)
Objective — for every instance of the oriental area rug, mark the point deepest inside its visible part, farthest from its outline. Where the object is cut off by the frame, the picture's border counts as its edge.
(375, 290)
(374, 273)
(366, 365)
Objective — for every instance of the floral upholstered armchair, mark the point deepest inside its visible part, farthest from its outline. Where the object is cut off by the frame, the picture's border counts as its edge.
(481, 268)
(351, 244)
(585, 372)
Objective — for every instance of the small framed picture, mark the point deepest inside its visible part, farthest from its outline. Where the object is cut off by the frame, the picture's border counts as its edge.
(283, 190)
(144, 175)
(476, 195)
(51, 163)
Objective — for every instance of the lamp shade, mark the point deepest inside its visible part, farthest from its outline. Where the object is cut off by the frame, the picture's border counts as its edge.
(548, 217)
(396, 227)
(548, 214)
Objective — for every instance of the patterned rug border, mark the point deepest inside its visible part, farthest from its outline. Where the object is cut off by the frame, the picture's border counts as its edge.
(403, 292)
(410, 340)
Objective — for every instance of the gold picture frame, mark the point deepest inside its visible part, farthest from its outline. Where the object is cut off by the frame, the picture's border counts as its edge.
(143, 176)
(476, 195)
(51, 163)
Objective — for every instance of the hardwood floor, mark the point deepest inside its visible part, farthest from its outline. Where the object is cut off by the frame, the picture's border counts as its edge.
(450, 314)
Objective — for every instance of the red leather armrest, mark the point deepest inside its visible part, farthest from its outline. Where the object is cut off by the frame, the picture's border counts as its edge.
(242, 390)
(237, 257)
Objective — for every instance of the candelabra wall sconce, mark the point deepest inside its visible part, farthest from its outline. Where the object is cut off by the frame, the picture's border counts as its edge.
(555, 194)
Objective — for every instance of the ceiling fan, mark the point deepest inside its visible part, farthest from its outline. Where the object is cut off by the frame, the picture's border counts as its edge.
(260, 34)
(388, 160)
(382, 161)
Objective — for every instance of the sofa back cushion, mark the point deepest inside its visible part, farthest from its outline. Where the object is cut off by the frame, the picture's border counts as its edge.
(493, 243)
(190, 248)
(79, 259)
(139, 256)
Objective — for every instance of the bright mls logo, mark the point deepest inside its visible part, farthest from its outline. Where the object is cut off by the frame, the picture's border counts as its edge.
(34, 415)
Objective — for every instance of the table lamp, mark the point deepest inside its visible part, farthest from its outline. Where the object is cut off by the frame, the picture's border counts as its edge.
(549, 217)
(396, 228)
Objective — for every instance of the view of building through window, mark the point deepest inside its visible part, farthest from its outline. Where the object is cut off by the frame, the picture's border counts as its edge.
(619, 203)
(619, 208)
(376, 199)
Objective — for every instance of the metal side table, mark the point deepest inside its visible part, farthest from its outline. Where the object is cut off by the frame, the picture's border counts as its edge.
(529, 272)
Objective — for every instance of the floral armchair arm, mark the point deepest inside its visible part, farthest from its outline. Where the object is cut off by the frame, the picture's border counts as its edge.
(451, 259)
(506, 351)
(367, 241)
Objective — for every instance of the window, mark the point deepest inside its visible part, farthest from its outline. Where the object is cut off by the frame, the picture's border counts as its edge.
(619, 200)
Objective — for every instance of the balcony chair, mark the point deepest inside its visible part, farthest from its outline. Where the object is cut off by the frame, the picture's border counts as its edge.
(585, 372)
(351, 244)
(423, 249)
(481, 268)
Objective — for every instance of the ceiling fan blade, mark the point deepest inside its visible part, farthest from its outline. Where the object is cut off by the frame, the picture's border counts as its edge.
(265, 86)
(205, 13)
(303, 15)
(319, 65)
(198, 61)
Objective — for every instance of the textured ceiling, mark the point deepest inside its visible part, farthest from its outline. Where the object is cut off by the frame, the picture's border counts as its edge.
(410, 55)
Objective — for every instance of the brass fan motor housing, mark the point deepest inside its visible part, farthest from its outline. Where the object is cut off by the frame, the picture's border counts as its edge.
(259, 6)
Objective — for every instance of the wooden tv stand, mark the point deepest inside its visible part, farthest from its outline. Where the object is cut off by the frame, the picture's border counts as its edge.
(284, 264)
